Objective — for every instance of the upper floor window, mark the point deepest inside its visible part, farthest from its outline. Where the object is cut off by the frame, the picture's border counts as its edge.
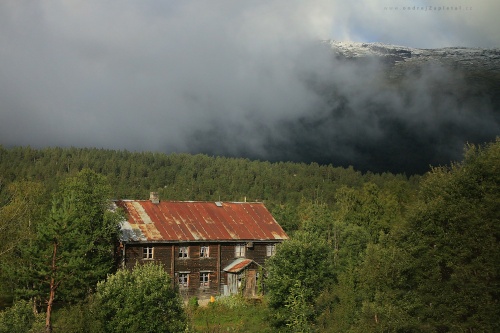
(147, 252)
(204, 279)
(184, 252)
(183, 279)
(270, 250)
(239, 250)
(204, 251)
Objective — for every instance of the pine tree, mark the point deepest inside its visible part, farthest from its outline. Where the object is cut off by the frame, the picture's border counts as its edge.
(74, 247)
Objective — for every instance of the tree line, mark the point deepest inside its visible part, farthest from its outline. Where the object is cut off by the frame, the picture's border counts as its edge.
(133, 175)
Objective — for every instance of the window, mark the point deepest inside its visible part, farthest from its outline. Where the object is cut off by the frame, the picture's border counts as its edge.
(204, 251)
(183, 279)
(204, 279)
(270, 250)
(147, 252)
(184, 252)
(239, 250)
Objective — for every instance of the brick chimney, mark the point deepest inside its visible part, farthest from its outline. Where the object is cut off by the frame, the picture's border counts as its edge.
(154, 197)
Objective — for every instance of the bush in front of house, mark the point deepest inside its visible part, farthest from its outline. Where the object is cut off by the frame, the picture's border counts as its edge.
(141, 300)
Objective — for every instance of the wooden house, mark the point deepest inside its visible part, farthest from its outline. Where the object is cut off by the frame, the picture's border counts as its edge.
(208, 248)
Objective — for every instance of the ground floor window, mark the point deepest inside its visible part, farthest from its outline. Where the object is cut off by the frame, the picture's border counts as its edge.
(204, 279)
(183, 279)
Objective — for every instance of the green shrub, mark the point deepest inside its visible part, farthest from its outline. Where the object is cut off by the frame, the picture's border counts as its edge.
(19, 318)
(233, 301)
(75, 318)
(141, 300)
(193, 303)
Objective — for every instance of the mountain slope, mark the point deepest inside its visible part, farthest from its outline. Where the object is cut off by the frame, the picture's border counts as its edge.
(392, 108)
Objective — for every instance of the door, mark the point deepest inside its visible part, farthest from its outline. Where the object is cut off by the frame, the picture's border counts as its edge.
(251, 283)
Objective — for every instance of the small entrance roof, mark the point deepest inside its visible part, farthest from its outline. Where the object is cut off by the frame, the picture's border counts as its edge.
(238, 265)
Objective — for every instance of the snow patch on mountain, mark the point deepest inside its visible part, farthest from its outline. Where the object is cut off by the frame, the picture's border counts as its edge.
(485, 59)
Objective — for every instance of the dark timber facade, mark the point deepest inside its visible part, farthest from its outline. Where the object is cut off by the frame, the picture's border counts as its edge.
(208, 248)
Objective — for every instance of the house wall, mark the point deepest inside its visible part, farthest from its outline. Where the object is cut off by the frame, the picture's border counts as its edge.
(220, 256)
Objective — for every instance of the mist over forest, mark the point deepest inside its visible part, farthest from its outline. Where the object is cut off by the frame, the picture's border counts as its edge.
(247, 80)
(376, 113)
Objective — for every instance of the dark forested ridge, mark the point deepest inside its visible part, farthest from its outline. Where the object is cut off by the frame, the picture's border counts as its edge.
(132, 175)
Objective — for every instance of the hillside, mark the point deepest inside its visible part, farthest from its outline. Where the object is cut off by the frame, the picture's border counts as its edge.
(393, 108)
(185, 176)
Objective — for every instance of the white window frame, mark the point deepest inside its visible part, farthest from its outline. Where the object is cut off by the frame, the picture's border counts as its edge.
(204, 279)
(204, 251)
(183, 279)
(183, 252)
(270, 250)
(148, 252)
(239, 250)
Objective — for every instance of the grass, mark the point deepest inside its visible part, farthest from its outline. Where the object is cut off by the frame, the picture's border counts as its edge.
(227, 314)
(231, 314)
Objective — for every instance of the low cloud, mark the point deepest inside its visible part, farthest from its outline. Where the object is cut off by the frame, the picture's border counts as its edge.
(230, 78)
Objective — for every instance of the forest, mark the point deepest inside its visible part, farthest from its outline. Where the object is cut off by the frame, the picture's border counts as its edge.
(368, 252)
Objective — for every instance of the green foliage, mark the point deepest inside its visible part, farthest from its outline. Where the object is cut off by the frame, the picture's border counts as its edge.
(383, 281)
(288, 217)
(61, 256)
(231, 314)
(75, 318)
(80, 233)
(317, 219)
(406, 263)
(141, 300)
(185, 177)
(337, 305)
(300, 310)
(440, 272)
(18, 221)
(19, 216)
(193, 304)
(454, 238)
(260, 282)
(298, 272)
(367, 252)
(232, 301)
(19, 318)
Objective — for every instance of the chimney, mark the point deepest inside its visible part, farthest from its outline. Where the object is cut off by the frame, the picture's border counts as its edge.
(154, 197)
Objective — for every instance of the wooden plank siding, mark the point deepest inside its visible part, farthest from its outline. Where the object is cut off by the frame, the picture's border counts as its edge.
(221, 254)
(154, 230)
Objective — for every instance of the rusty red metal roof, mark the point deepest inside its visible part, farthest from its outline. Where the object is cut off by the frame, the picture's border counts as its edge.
(238, 265)
(198, 221)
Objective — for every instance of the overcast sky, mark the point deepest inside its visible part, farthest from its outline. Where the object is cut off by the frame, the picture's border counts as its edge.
(169, 76)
